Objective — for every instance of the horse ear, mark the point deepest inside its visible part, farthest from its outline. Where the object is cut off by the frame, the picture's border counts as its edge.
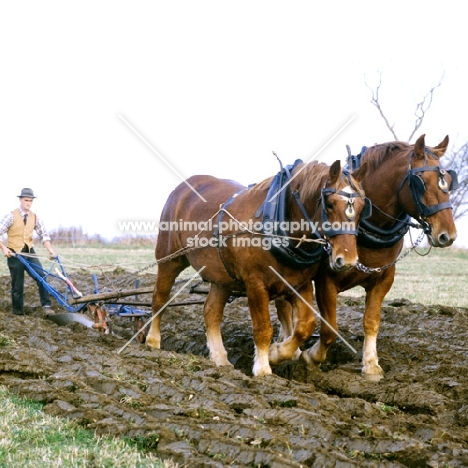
(419, 147)
(441, 148)
(360, 173)
(335, 172)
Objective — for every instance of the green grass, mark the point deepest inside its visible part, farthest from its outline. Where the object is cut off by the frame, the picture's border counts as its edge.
(31, 439)
(104, 258)
(437, 278)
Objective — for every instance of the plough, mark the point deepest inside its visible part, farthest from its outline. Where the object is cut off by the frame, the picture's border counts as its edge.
(101, 304)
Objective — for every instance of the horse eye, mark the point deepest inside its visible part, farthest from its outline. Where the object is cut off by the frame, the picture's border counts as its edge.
(329, 205)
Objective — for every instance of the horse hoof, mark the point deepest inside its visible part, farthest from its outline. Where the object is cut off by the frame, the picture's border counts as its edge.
(296, 356)
(277, 355)
(225, 364)
(152, 344)
(259, 370)
(220, 360)
(274, 356)
(307, 358)
(373, 377)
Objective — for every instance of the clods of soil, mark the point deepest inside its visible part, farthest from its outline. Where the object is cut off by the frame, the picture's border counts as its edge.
(187, 409)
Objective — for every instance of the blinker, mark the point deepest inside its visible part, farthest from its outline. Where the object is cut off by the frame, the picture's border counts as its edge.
(367, 210)
(454, 177)
(418, 187)
(419, 184)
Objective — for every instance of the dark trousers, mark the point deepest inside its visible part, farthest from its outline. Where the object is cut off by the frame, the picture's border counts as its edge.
(17, 270)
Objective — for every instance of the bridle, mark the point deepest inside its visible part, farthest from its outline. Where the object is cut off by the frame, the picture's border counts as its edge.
(274, 209)
(418, 187)
(350, 211)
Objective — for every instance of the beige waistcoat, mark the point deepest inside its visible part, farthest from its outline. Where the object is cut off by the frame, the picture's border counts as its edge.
(19, 233)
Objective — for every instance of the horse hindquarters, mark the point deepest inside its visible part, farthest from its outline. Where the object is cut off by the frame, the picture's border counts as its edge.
(170, 240)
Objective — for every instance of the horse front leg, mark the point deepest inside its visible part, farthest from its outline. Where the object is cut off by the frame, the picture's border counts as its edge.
(375, 295)
(213, 313)
(297, 324)
(326, 295)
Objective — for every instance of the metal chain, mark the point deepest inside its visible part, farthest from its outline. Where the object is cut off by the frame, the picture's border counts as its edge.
(369, 270)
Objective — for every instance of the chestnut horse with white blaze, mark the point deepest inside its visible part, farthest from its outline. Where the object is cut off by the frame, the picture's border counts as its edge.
(258, 260)
(402, 181)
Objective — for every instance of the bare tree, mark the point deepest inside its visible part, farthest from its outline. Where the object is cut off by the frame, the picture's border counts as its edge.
(456, 159)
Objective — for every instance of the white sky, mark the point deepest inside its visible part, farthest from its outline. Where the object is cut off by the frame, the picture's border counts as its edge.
(214, 87)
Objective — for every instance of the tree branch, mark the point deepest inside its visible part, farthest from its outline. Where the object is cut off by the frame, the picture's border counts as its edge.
(455, 159)
(375, 102)
(423, 106)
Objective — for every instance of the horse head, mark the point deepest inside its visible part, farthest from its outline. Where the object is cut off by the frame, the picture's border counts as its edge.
(426, 196)
(343, 205)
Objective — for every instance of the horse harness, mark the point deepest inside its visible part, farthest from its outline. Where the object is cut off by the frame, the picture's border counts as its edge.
(372, 236)
(273, 213)
(418, 188)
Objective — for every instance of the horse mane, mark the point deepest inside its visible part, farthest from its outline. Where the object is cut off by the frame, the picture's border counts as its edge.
(308, 179)
(314, 176)
(262, 186)
(375, 155)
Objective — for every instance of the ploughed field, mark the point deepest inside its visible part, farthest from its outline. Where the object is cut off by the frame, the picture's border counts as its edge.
(203, 416)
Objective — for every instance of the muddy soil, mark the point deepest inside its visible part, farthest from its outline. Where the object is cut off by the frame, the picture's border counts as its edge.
(199, 415)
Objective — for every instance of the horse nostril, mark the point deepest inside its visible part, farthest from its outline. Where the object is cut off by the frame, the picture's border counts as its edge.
(443, 239)
(339, 262)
